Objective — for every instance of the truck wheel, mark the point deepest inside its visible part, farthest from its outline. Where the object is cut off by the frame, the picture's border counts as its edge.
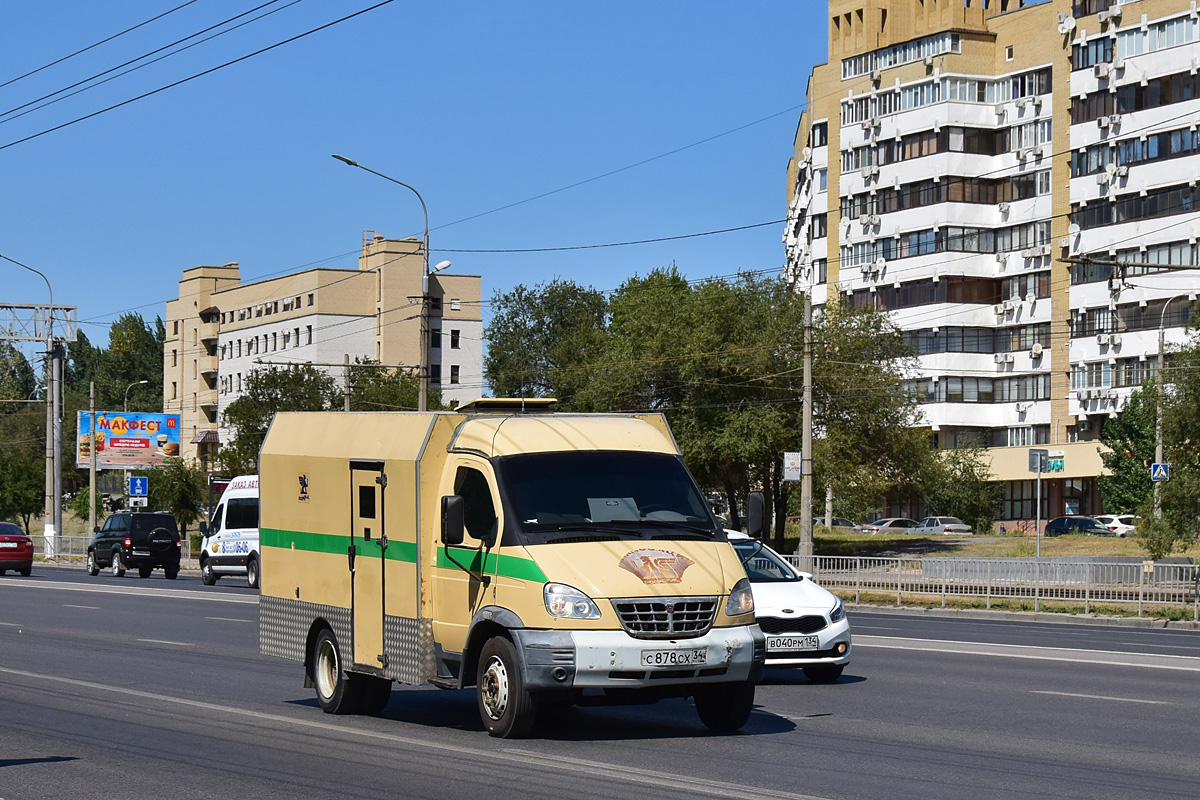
(93, 568)
(335, 692)
(376, 692)
(207, 576)
(118, 565)
(145, 570)
(252, 572)
(824, 673)
(725, 706)
(506, 708)
(171, 571)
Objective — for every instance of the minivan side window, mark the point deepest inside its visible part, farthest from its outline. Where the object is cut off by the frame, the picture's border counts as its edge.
(241, 512)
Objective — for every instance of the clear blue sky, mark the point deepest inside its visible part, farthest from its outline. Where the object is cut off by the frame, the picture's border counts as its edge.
(477, 104)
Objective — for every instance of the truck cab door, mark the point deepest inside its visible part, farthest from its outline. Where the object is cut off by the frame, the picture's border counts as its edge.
(464, 573)
(366, 561)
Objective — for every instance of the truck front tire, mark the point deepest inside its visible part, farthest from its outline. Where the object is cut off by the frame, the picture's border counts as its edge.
(505, 706)
(725, 707)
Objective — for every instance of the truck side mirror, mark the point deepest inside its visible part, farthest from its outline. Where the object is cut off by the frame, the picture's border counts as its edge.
(203, 528)
(453, 524)
(755, 514)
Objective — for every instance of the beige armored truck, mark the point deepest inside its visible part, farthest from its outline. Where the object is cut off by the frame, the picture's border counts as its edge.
(543, 558)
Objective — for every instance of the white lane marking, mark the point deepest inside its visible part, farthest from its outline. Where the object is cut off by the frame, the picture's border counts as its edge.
(860, 627)
(166, 641)
(1035, 652)
(1162, 644)
(1103, 697)
(11, 624)
(229, 619)
(100, 588)
(72, 605)
(519, 758)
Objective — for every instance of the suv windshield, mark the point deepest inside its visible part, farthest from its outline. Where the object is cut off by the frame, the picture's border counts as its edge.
(605, 495)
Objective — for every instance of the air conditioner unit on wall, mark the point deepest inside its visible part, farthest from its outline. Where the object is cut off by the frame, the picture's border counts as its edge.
(1101, 339)
(1083, 425)
(1102, 122)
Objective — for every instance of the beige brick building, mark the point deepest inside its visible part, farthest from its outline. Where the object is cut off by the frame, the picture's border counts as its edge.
(219, 330)
(1016, 183)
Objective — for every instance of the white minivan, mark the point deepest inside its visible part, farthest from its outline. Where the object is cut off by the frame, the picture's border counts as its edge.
(230, 545)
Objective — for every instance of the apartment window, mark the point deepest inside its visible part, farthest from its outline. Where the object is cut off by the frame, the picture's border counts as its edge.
(195, 402)
(309, 329)
(174, 390)
(296, 333)
(297, 303)
(174, 358)
(274, 342)
(239, 348)
(435, 305)
(239, 381)
(435, 339)
(453, 339)
(454, 373)
(175, 327)
(823, 179)
(819, 226)
(435, 373)
(818, 135)
(1008, 53)
(455, 304)
(310, 299)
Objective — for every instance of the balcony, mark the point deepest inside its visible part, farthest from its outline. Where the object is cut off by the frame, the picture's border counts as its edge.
(208, 331)
(207, 365)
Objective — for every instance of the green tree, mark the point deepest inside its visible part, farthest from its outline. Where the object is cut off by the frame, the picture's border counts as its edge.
(374, 387)
(82, 361)
(18, 381)
(1130, 438)
(134, 354)
(539, 339)
(22, 465)
(959, 483)
(181, 487)
(265, 391)
(79, 506)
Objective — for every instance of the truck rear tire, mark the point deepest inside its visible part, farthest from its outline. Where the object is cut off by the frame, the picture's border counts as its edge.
(336, 693)
(507, 709)
(725, 706)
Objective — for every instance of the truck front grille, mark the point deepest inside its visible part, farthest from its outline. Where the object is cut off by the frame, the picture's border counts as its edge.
(666, 617)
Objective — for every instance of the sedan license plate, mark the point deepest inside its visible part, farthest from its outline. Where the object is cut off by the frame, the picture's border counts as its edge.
(13, 545)
(674, 658)
(782, 643)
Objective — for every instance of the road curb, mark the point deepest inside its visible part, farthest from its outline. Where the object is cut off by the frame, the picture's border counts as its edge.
(1028, 616)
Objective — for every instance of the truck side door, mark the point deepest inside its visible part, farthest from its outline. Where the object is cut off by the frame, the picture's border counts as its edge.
(462, 578)
(366, 551)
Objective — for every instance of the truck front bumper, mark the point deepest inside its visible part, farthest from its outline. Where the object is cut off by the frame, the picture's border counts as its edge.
(616, 660)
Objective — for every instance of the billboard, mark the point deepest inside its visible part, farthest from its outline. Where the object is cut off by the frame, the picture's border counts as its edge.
(127, 439)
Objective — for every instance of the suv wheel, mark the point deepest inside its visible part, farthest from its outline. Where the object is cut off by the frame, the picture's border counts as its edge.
(171, 571)
(145, 570)
(118, 564)
(93, 568)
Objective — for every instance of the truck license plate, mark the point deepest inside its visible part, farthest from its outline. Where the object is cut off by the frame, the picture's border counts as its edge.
(779, 643)
(674, 658)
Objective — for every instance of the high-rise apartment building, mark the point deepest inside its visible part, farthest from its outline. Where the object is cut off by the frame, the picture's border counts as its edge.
(220, 330)
(1016, 183)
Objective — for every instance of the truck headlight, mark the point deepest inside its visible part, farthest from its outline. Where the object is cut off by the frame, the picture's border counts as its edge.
(741, 599)
(838, 612)
(568, 602)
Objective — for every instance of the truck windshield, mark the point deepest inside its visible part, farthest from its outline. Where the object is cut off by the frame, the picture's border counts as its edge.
(604, 495)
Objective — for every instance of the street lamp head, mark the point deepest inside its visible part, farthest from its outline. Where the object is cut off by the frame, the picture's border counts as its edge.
(345, 160)
(440, 266)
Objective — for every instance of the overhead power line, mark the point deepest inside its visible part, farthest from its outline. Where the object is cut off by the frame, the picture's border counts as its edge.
(94, 45)
(200, 74)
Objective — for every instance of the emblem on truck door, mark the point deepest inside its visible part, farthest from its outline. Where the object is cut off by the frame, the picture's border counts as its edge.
(303, 487)
(656, 566)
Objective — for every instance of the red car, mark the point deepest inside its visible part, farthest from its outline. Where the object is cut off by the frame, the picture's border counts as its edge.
(16, 549)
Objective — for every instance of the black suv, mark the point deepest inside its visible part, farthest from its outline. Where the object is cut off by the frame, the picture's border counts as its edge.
(133, 540)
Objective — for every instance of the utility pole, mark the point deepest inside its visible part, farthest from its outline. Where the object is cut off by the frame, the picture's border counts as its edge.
(806, 470)
(58, 414)
(92, 458)
(346, 385)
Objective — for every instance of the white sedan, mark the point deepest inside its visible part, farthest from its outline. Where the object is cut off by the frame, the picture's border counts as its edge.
(942, 526)
(805, 625)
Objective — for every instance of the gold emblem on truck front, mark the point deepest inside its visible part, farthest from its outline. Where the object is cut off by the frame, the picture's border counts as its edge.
(656, 566)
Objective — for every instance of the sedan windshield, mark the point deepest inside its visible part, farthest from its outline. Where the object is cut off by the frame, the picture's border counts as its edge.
(762, 564)
(607, 495)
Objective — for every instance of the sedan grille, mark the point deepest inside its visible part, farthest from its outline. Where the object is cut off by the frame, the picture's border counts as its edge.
(807, 624)
(666, 617)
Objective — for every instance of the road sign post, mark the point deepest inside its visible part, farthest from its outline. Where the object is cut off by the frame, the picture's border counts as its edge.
(1039, 462)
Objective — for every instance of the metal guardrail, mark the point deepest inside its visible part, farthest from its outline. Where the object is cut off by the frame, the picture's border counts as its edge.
(1127, 583)
(73, 549)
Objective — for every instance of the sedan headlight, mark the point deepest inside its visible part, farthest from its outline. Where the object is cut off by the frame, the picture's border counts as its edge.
(568, 602)
(838, 612)
(741, 600)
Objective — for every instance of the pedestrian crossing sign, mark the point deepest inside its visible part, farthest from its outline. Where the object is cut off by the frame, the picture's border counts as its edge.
(1160, 472)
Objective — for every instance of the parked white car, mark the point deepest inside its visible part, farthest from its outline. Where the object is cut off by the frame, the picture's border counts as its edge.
(1120, 524)
(805, 625)
(942, 526)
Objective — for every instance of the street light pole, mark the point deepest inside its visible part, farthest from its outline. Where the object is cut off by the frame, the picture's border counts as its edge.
(1158, 415)
(423, 369)
(125, 408)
